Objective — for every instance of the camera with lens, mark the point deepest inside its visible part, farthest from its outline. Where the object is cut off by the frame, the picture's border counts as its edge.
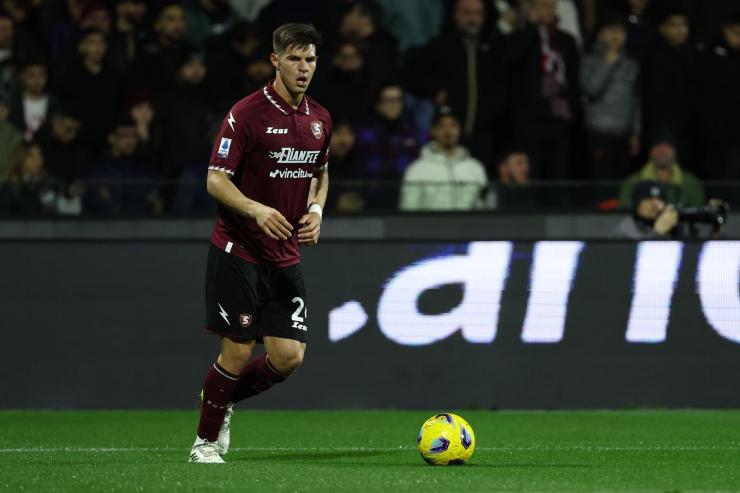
(715, 215)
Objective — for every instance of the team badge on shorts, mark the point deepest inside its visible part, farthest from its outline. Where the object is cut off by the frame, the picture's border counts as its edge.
(317, 128)
(245, 320)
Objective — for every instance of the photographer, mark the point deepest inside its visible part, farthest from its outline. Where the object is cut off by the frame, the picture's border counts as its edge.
(653, 218)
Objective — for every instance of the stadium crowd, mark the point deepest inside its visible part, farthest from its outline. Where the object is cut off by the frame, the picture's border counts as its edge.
(110, 107)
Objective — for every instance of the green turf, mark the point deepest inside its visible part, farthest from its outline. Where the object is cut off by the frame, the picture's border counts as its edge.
(372, 451)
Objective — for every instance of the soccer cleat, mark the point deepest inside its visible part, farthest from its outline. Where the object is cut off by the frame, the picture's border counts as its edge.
(205, 452)
(224, 434)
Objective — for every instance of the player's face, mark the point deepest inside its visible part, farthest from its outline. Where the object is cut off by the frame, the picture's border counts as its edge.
(295, 67)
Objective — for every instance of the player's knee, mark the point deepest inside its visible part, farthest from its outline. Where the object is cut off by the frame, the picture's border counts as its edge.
(235, 356)
(286, 362)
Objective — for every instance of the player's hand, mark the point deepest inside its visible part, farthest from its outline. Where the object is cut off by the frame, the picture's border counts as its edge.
(310, 229)
(272, 223)
(667, 220)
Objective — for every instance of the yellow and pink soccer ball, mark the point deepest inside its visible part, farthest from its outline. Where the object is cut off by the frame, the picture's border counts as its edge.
(446, 439)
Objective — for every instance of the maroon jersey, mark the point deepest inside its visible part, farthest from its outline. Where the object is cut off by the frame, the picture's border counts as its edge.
(271, 152)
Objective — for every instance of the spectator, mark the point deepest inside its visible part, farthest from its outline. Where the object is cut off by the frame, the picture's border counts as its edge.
(185, 117)
(612, 119)
(569, 19)
(652, 215)
(459, 68)
(10, 137)
(413, 22)
(346, 89)
(640, 29)
(248, 9)
(66, 157)
(719, 103)
(94, 88)
(388, 143)
(444, 177)
(84, 16)
(238, 64)
(128, 34)
(141, 110)
(7, 53)
(362, 24)
(30, 107)
(29, 189)
(346, 170)
(544, 92)
(156, 70)
(513, 189)
(206, 18)
(107, 194)
(668, 90)
(683, 188)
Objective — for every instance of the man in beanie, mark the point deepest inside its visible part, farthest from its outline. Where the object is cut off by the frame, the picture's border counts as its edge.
(683, 188)
(652, 217)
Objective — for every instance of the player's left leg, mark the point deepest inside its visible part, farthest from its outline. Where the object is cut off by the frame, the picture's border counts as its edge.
(282, 358)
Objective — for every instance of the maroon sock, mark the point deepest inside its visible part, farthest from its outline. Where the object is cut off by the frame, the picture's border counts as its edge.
(257, 377)
(217, 393)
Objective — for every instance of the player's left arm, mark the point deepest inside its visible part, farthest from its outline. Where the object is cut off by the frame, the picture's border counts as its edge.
(310, 223)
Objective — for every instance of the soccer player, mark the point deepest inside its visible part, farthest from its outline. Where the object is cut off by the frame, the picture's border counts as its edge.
(268, 172)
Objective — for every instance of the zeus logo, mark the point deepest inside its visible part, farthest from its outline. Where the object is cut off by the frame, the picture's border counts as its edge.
(290, 155)
(290, 173)
(281, 131)
(483, 272)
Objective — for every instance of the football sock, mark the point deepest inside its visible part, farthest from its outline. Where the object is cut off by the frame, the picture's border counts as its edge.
(257, 377)
(217, 393)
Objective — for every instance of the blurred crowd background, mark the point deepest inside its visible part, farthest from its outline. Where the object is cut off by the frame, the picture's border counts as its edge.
(110, 107)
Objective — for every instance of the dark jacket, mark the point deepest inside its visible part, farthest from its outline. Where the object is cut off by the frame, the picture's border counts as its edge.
(523, 55)
(668, 88)
(719, 95)
(442, 66)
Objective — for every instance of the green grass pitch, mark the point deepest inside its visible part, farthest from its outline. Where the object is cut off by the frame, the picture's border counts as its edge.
(74, 451)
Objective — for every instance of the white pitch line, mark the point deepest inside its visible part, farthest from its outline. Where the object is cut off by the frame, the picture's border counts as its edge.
(586, 448)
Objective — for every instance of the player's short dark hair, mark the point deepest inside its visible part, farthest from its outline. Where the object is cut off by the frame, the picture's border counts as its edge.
(295, 35)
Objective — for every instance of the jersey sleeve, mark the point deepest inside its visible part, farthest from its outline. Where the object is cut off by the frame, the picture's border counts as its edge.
(324, 154)
(230, 144)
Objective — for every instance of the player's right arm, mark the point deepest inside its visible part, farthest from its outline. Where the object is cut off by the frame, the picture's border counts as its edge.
(270, 221)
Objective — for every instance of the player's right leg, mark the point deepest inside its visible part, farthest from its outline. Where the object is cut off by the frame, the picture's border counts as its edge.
(231, 285)
(218, 388)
